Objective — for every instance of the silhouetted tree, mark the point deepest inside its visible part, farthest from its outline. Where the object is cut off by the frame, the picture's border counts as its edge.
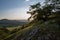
(33, 10)
(39, 13)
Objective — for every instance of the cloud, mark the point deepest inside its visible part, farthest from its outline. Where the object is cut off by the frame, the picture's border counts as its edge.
(27, 0)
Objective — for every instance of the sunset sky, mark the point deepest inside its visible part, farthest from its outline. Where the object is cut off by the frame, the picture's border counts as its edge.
(16, 9)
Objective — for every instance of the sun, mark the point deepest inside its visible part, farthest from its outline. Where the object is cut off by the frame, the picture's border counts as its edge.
(27, 0)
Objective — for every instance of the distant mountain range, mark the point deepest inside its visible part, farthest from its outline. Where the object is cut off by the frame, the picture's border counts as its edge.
(10, 23)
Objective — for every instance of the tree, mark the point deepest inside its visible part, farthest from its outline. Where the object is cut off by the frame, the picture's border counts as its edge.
(45, 13)
(54, 3)
(39, 13)
(33, 10)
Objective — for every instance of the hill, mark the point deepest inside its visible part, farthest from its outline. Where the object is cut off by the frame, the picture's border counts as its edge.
(8, 27)
(37, 31)
(12, 23)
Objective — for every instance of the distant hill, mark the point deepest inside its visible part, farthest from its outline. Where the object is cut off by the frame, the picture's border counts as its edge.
(10, 23)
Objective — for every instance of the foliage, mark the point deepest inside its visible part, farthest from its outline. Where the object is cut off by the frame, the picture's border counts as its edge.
(42, 13)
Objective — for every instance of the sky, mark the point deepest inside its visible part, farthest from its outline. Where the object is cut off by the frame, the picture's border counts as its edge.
(16, 9)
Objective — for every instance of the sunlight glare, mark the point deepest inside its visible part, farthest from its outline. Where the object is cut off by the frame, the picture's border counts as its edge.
(27, 0)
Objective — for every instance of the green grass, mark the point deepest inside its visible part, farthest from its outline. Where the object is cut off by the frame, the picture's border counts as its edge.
(50, 27)
(12, 28)
(3, 34)
(22, 31)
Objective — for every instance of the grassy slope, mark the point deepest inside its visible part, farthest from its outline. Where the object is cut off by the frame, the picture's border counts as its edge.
(3, 34)
(48, 30)
(22, 31)
(12, 28)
